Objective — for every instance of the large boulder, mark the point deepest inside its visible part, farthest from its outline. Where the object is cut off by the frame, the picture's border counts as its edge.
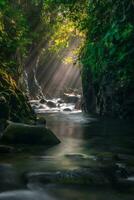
(18, 133)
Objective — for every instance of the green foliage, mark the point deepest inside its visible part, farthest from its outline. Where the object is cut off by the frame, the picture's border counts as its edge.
(105, 26)
(110, 40)
(108, 51)
(13, 36)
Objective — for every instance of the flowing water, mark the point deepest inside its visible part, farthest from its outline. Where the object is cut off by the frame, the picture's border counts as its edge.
(83, 138)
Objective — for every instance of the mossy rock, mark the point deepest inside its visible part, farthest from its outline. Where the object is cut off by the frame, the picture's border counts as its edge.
(18, 133)
(16, 106)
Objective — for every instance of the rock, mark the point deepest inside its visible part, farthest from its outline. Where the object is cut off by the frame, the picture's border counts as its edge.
(18, 133)
(93, 177)
(126, 183)
(51, 104)
(9, 178)
(41, 121)
(41, 107)
(43, 101)
(70, 98)
(6, 149)
(78, 105)
(60, 101)
(14, 104)
(25, 195)
(108, 175)
(4, 113)
(35, 106)
(67, 110)
(4, 108)
(78, 156)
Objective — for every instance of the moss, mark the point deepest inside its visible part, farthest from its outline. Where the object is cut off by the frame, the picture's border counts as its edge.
(18, 133)
(16, 106)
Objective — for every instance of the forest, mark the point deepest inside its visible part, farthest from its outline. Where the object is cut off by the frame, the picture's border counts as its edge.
(105, 52)
(67, 82)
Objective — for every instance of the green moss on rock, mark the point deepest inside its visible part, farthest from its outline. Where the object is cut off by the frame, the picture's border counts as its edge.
(13, 102)
(18, 133)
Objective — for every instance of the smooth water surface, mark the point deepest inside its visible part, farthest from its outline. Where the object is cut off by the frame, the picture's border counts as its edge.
(83, 138)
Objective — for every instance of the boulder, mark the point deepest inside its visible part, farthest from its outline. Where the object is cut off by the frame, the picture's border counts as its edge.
(93, 177)
(78, 105)
(18, 133)
(67, 110)
(6, 149)
(43, 101)
(71, 98)
(51, 104)
(60, 101)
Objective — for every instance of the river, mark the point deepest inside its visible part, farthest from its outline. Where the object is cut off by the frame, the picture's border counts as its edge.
(85, 140)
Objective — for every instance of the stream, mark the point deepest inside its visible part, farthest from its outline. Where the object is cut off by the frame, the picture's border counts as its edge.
(85, 142)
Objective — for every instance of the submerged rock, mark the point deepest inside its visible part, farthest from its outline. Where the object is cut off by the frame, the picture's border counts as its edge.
(25, 195)
(89, 176)
(18, 133)
(101, 175)
(78, 156)
(9, 178)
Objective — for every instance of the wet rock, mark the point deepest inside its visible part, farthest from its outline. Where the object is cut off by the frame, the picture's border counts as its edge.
(126, 183)
(60, 101)
(9, 178)
(93, 177)
(43, 101)
(4, 108)
(25, 195)
(78, 105)
(70, 98)
(18, 133)
(67, 110)
(41, 107)
(51, 104)
(82, 157)
(6, 149)
(41, 121)
(107, 157)
(35, 106)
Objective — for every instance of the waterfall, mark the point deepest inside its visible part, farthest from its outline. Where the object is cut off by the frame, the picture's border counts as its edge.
(25, 79)
(35, 81)
(35, 89)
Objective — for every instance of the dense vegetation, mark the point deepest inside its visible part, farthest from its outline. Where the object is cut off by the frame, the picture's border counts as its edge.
(108, 56)
(106, 29)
